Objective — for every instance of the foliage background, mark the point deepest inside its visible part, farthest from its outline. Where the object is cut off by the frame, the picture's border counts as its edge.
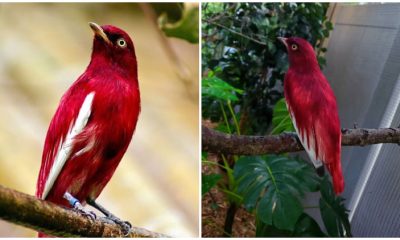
(241, 41)
(44, 47)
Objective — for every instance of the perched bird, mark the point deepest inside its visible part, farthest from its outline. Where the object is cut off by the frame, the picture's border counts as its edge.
(313, 110)
(93, 125)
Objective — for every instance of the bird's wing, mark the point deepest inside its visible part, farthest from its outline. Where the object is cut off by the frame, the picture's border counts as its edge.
(309, 140)
(70, 119)
(314, 116)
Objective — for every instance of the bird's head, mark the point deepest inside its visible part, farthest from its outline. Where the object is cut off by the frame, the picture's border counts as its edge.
(113, 46)
(301, 53)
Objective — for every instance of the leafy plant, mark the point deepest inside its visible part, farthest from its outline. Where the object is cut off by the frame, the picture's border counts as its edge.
(178, 20)
(208, 182)
(242, 92)
(222, 92)
(186, 28)
(241, 40)
(333, 212)
(281, 119)
(306, 226)
(274, 185)
(213, 86)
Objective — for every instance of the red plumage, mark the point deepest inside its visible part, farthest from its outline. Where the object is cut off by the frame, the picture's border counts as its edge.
(109, 87)
(312, 106)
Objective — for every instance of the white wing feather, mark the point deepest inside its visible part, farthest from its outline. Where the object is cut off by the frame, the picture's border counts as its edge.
(303, 139)
(64, 150)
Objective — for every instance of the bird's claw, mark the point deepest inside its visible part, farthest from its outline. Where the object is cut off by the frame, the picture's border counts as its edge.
(128, 223)
(89, 214)
(125, 225)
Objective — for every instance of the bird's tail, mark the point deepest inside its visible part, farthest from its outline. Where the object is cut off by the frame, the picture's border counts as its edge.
(335, 170)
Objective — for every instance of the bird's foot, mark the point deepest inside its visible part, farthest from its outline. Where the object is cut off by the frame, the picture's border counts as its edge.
(125, 225)
(80, 209)
(77, 206)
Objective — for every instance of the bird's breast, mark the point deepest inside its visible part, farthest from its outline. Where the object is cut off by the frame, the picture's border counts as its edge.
(115, 113)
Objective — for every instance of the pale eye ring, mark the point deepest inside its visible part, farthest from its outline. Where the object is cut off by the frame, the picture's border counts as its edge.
(121, 42)
(294, 47)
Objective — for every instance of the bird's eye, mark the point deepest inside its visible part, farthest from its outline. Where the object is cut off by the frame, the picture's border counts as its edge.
(121, 42)
(294, 47)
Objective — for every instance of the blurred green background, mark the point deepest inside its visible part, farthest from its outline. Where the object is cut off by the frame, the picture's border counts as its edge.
(44, 47)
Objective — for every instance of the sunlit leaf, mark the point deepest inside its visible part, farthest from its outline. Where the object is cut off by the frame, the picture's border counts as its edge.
(186, 28)
(173, 10)
(219, 89)
(281, 118)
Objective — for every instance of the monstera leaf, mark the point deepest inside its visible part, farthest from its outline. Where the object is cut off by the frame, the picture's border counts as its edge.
(306, 226)
(310, 182)
(272, 185)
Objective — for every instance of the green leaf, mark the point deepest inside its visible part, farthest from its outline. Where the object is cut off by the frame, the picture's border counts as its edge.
(219, 89)
(222, 128)
(325, 32)
(186, 28)
(258, 69)
(173, 10)
(333, 212)
(321, 61)
(229, 174)
(329, 25)
(208, 182)
(204, 156)
(267, 230)
(232, 196)
(272, 186)
(306, 226)
(271, 47)
(310, 181)
(281, 119)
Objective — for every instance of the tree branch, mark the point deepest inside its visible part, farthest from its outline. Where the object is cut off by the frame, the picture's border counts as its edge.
(234, 32)
(218, 142)
(49, 218)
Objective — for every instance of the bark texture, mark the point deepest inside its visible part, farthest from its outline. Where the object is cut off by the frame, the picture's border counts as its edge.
(218, 142)
(51, 219)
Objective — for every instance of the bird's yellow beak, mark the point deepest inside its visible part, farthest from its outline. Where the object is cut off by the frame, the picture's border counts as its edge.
(98, 31)
(283, 40)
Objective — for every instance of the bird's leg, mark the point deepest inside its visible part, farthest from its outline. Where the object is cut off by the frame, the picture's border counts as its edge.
(77, 206)
(126, 226)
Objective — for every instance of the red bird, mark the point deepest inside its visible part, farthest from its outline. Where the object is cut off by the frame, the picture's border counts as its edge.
(93, 125)
(312, 108)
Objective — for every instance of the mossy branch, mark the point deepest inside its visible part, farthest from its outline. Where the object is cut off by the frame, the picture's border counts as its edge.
(51, 219)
